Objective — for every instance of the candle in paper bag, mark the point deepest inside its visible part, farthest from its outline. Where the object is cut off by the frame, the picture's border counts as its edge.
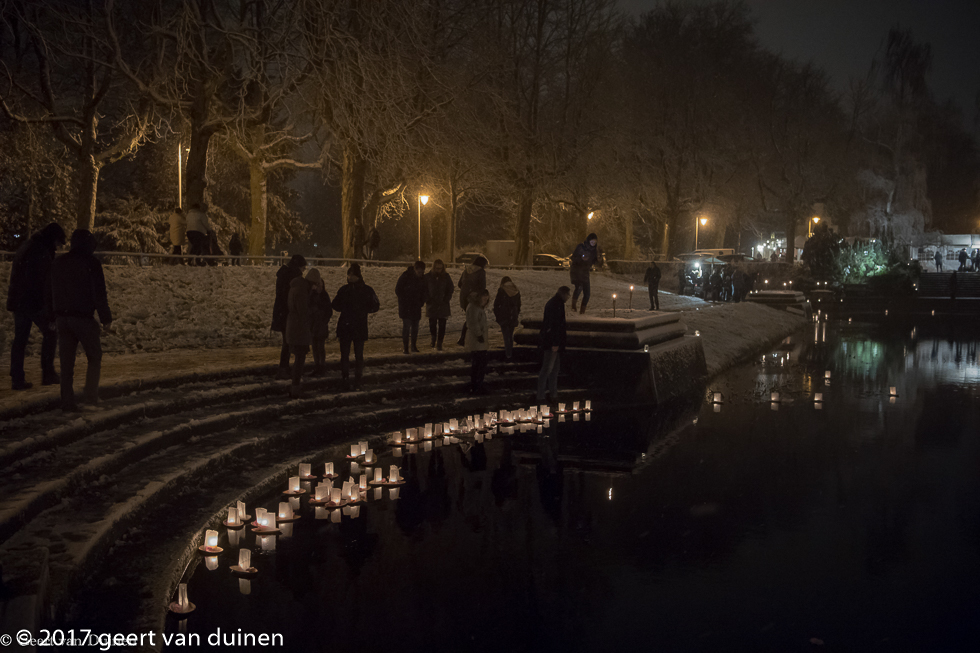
(355, 450)
(397, 437)
(369, 457)
(233, 517)
(893, 391)
(294, 483)
(304, 469)
(377, 475)
(285, 510)
(588, 404)
(574, 405)
(322, 491)
(393, 474)
(411, 434)
(363, 446)
(818, 397)
(561, 408)
(260, 517)
(774, 396)
(428, 430)
(270, 517)
(437, 429)
(211, 539)
(453, 425)
(336, 495)
(362, 482)
(346, 489)
(826, 374)
(717, 398)
(328, 469)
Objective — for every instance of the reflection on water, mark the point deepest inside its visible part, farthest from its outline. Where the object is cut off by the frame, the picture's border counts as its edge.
(854, 521)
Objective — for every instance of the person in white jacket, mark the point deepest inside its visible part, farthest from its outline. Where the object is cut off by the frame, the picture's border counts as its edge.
(178, 232)
(478, 339)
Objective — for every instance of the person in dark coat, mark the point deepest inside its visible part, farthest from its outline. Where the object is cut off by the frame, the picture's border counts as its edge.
(77, 293)
(652, 279)
(586, 255)
(438, 295)
(354, 301)
(473, 279)
(681, 278)
(299, 329)
(507, 312)
(320, 313)
(553, 336)
(410, 290)
(280, 307)
(29, 299)
(963, 258)
(373, 243)
(235, 248)
(938, 258)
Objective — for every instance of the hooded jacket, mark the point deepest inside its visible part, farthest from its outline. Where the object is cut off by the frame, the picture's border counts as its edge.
(583, 258)
(78, 282)
(280, 307)
(507, 305)
(553, 328)
(410, 290)
(30, 274)
(438, 295)
(355, 301)
(473, 279)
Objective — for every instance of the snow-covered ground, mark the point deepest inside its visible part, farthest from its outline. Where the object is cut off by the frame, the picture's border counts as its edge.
(163, 308)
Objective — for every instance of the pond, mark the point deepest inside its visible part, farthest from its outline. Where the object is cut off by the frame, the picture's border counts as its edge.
(851, 522)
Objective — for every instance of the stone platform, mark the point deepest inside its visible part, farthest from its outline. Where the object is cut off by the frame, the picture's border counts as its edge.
(646, 359)
(787, 300)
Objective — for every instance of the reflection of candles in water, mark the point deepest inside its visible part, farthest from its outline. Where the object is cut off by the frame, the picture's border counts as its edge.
(345, 511)
(717, 407)
(244, 559)
(428, 445)
(413, 448)
(211, 562)
(182, 601)
(393, 474)
(287, 529)
(575, 417)
(561, 419)
(328, 469)
(211, 539)
(355, 468)
(234, 536)
(268, 543)
(294, 483)
(447, 440)
(294, 502)
(377, 494)
(335, 517)
(377, 475)
(304, 469)
(393, 493)
(397, 452)
(321, 513)
(233, 517)
(355, 512)
(285, 510)
(245, 586)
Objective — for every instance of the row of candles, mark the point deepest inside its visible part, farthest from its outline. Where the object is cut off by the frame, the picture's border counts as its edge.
(774, 399)
(327, 498)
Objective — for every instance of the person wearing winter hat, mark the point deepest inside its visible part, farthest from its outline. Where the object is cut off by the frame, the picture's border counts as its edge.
(507, 311)
(320, 314)
(77, 292)
(354, 302)
(586, 255)
(28, 298)
(280, 307)
(473, 279)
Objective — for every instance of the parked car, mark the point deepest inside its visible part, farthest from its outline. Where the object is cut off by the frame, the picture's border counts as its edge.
(468, 257)
(549, 261)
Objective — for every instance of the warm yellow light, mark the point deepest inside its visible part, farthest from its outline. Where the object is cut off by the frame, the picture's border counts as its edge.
(591, 213)
(424, 199)
(816, 220)
(704, 221)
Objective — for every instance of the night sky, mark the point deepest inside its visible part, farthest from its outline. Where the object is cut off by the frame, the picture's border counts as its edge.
(842, 37)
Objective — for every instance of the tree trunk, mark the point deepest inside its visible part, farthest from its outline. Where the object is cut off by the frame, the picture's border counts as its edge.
(351, 196)
(672, 218)
(451, 219)
(259, 191)
(196, 170)
(87, 176)
(523, 229)
(629, 247)
(791, 238)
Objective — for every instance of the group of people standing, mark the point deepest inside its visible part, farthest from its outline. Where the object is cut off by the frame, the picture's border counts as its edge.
(302, 311)
(60, 295)
(194, 230)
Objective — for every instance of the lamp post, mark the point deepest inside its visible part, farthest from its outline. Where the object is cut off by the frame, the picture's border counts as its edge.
(814, 220)
(423, 199)
(703, 222)
(180, 181)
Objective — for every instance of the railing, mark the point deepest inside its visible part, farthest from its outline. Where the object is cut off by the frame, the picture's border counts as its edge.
(141, 259)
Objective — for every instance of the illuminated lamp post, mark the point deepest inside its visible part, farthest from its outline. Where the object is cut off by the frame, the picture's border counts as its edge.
(423, 199)
(703, 222)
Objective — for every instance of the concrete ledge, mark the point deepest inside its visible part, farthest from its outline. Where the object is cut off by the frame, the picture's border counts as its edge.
(646, 320)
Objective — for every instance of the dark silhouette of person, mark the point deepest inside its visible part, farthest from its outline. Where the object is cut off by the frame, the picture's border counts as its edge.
(29, 299)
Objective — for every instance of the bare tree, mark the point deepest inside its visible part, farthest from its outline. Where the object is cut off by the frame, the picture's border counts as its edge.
(60, 72)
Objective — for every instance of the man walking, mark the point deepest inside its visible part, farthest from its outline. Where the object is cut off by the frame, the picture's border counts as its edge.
(553, 336)
(29, 300)
(586, 255)
(77, 293)
(410, 290)
(652, 279)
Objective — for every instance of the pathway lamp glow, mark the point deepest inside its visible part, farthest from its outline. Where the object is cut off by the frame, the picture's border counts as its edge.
(423, 199)
(703, 222)
(811, 223)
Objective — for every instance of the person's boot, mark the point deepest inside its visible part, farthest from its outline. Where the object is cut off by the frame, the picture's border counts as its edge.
(574, 304)
(433, 344)
(582, 310)
(415, 346)
(439, 345)
(21, 384)
(50, 378)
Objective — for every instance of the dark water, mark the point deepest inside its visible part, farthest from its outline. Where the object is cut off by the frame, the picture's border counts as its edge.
(854, 526)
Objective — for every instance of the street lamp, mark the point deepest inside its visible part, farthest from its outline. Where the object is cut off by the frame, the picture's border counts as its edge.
(591, 213)
(812, 221)
(423, 199)
(703, 222)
